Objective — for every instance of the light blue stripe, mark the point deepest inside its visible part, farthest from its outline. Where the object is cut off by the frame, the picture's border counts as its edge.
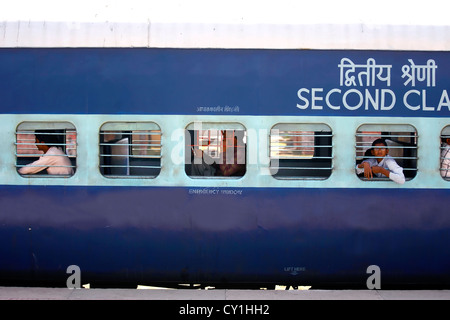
(258, 129)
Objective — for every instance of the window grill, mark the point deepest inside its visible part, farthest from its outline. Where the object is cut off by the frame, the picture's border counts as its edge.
(301, 151)
(401, 142)
(215, 149)
(46, 148)
(130, 150)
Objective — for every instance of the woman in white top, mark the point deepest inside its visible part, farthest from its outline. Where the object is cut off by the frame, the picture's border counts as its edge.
(53, 159)
(382, 164)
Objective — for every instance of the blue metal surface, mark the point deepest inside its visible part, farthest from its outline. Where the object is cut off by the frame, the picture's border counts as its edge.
(184, 81)
(276, 231)
(141, 235)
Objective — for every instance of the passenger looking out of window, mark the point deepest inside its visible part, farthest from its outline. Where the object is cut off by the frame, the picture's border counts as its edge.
(54, 159)
(381, 164)
(445, 158)
(231, 161)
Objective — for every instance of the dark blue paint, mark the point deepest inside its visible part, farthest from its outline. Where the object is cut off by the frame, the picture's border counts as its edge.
(178, 81)
(149, 235)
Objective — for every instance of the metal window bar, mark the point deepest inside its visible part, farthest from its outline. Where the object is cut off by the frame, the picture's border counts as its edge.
(387, 135)
(134, 166)
(138, 148)
(46, 166)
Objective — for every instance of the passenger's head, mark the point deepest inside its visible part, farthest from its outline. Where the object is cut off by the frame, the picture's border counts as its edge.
(379, 141)
(51, 138)
(379, 149)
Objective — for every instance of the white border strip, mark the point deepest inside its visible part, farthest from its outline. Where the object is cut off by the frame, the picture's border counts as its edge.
(44, 34)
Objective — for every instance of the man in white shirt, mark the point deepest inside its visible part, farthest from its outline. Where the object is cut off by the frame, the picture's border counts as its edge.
(445, 158)
(382, 164)
(53, 159)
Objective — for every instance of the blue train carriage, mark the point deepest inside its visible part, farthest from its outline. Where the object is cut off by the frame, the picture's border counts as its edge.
(134, 190)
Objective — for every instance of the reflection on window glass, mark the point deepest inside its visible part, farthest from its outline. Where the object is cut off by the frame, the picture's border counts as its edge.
(301, 151)
(292, 145)
(130, 150)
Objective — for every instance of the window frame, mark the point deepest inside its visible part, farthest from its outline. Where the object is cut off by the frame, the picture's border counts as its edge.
(28, 128)
(194, 127)
(386, 131)
(128, 130)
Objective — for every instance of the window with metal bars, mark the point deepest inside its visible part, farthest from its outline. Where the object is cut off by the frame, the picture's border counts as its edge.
(130, 149)
(301, 151)
(401, 140)
(46, 149)
(215, 150)
(445, 153)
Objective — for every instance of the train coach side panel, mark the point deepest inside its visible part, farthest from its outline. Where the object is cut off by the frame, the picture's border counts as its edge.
(221, 235)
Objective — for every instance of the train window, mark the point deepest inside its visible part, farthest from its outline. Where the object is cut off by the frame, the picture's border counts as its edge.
(215, 150)
(445, 153)
(46, 149)
(301, 151)
(401, 141)
(130, 149)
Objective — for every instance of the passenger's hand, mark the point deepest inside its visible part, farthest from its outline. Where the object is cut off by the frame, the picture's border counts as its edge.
(367, 171)
(376, 169)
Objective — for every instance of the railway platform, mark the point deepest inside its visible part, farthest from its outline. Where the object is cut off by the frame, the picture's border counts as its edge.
(40, 293)
(222, 303)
